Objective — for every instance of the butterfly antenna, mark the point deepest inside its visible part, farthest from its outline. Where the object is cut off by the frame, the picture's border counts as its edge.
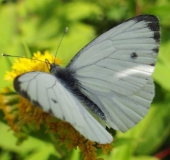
(8, 55)
(66, 29)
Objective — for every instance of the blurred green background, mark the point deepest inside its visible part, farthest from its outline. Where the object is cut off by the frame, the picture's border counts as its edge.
(39, 26)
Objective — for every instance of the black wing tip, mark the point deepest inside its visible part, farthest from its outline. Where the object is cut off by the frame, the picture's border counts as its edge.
(152, 24)
(156, 49)
(24, 94)
(16, 85)
(157, 37)
(153, 21)
(146, 18)
(18, 89)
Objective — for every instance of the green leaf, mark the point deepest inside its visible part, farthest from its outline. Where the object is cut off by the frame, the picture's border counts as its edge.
(153, 130)
(31, 149)
(162, 70)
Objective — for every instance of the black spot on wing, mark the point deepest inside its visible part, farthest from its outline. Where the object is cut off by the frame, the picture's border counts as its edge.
(54, 100)
(156, 50)
(157, 37)
(152, 64)
(133, 55)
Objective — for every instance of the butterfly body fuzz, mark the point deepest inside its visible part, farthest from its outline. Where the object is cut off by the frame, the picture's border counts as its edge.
(66, 77)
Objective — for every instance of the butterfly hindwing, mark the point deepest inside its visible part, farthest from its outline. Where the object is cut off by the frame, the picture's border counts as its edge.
(46, 91)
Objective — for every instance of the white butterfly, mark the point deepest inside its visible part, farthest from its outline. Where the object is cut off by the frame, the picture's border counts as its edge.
(108, 81)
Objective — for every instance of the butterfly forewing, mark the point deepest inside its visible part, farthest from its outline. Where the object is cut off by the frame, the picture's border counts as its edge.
(52, 96)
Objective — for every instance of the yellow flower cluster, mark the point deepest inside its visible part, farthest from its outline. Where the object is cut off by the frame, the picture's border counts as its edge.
(7, 105)
(23, 112)
(23, 65)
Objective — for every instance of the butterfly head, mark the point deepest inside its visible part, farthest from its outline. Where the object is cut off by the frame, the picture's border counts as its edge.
(53, 68)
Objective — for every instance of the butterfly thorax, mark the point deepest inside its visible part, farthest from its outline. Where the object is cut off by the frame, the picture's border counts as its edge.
(63, 74)
(67, 78)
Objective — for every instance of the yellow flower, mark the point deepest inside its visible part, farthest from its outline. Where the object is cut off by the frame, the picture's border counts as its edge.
(25, 65)
(105, 148)
(22, 112)
(89, 150)
(8, 106)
